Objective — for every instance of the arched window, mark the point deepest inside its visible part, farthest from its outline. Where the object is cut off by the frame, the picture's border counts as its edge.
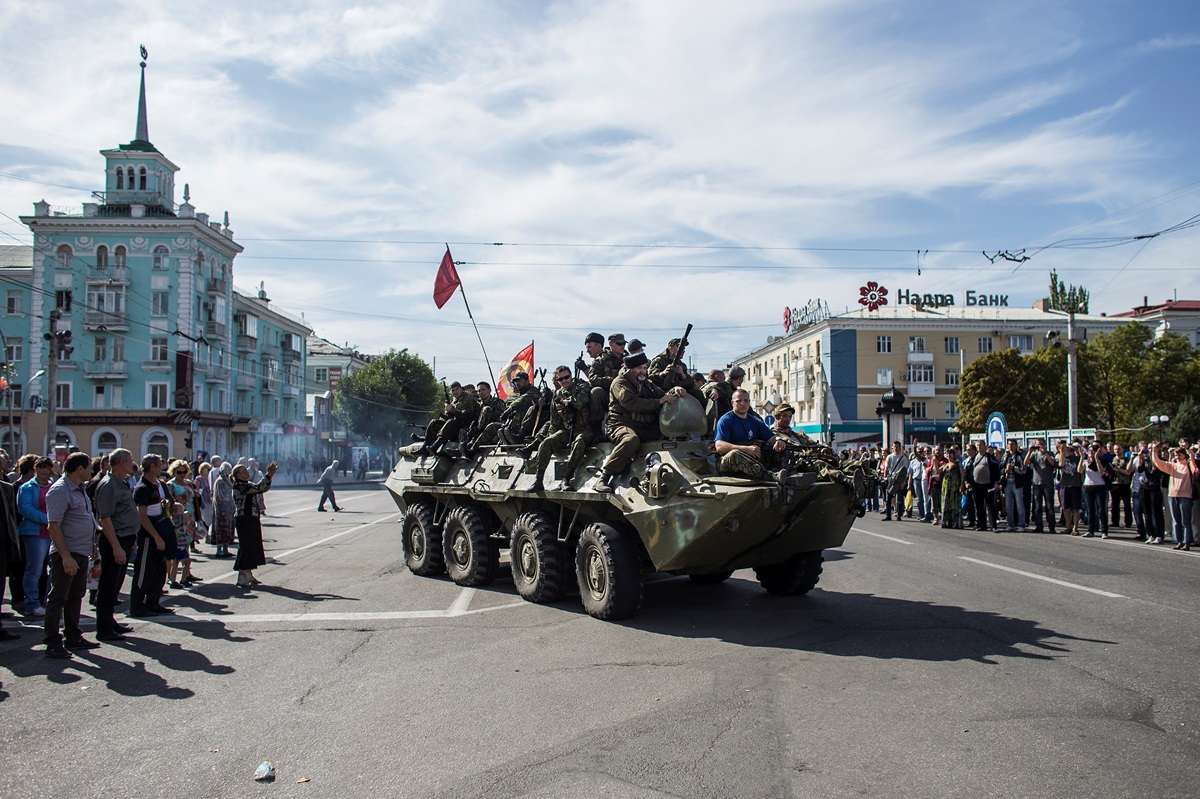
(120, 178)
(102, 257)
(200, 264)
(106, 442)
(64, 256)
(129, 177)
(119, 257)
(156, 443)
(160, 256)
(142, 178)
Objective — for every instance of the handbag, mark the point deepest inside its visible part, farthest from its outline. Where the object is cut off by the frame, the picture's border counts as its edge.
(93, 578)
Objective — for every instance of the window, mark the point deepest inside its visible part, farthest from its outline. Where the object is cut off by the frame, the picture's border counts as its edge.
(14, 303)
(100, 352)
(98, 399)
(62, 300)
(118, 348)
(158, 349)
(14, 350)
(161, 254)
(116, 396)
(160, 303)
(119, 257)
(920, 373)
(883, 376)
(158, 444)
(985, 345)
(62, 396)
(951, 409)
(883, 344)
(156, 396)
(63, 256)
(920, 410)
(106, 442)
(16, 395)
(142, 178)
(129, 174)
(321, 374)
(120, 179)
(1022, 343)
(916, 343)
(952, 377)
(247, 325)
(952, 346)
(102, 257)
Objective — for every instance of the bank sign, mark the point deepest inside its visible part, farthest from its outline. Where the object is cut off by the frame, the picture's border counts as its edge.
(799, 318)
(873, 295)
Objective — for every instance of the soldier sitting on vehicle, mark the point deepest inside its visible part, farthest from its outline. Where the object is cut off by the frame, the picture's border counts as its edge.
(605, 367)
(512, 425)
(739, 439)
(633, 407)
(457, 415)
(667, 372)
(566, 427)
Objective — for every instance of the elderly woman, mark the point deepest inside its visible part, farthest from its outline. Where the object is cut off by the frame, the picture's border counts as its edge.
(221, 533)
(1183, 479)
(249, 529)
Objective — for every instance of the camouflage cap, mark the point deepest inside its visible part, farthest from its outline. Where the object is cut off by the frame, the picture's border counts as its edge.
(456, 384)
(673, 342)
(784, 407)
(637, 344)
(617, 338)
(737, 371)
(593, 338)
(521, 376)
(636, 360)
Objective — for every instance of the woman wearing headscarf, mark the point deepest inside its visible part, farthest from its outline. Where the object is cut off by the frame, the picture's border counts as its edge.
(223, 511)
(247, 522)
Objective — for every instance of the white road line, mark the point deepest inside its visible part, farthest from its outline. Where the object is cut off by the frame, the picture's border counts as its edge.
(1043, 578)
(462, 602)
(881, 535)
(1143, 546)
(384, 615)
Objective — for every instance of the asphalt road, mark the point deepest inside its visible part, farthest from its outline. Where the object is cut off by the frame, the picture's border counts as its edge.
(928, 663)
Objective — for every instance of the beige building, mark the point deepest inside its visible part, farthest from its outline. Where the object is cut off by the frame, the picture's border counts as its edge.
(834, 369)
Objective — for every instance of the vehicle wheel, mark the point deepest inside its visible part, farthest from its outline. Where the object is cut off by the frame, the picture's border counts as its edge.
(609, 572)
(795, 576)
(472, 557)
(422, 543)
(710, 579)
(539, 561)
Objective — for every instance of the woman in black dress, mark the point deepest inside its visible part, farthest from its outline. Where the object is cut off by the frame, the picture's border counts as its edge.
(246, 521)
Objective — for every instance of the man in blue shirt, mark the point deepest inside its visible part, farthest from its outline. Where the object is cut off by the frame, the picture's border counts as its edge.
(740, 438)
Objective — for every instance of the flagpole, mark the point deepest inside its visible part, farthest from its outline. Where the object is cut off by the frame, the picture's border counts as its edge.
(472, 318)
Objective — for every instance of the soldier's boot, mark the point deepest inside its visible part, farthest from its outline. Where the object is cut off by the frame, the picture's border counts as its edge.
(567, 479)
(424, 449)
(605, 483)
(435, 447)
(538, 484)
(418, 436)
(527, 451)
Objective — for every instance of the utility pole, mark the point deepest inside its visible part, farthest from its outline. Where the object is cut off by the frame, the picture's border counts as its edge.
(52, 382)
(1072, 374)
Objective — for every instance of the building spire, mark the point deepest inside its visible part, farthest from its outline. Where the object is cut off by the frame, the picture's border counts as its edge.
(143, 126)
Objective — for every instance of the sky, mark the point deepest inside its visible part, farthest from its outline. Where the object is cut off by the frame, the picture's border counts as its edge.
(630, 166)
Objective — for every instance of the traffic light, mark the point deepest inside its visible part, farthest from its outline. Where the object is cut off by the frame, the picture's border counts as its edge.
(187, 441)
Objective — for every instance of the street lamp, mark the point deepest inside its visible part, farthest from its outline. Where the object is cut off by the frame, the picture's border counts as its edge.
(1160, 421)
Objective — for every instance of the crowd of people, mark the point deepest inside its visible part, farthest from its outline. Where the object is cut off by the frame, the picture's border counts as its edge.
(78, 526)
(1076, 487)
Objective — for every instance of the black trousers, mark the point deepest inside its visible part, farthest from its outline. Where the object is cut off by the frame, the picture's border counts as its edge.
(1151, 516)
(149, 573)
(112, 576)
(1119, 495)
(985, 506)
(1043, 503)
(327, 494)
(65, 599)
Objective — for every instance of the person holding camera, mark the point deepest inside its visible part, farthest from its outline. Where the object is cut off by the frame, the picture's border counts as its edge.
(1181, 492)
(1069, 460)
(1147, 498)
(1042, 466)
(1095, 489)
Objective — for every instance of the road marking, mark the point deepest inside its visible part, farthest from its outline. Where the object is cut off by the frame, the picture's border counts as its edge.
(1044, 578)
(307, 506)
(881, 535)
(1142, 545)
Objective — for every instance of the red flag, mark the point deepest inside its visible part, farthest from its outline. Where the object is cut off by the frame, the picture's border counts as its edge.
(521, 362)
(446, 282)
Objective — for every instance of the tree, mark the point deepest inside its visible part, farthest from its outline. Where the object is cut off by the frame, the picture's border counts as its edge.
(391, 394)
(1114, 363)
(1067, 298)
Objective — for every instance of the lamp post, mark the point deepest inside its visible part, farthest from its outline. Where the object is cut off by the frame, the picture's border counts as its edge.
(1160, 421)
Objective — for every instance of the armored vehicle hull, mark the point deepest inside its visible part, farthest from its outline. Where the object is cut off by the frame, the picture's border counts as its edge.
(671, 513)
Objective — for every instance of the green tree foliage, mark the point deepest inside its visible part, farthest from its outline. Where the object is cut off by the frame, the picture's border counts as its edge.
(1067, 298)
(1031, 391)
(386, 398)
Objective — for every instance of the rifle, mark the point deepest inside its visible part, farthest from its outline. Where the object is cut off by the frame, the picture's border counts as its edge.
(543, 401)
(580, 364)
(683, 342)
(446, 397)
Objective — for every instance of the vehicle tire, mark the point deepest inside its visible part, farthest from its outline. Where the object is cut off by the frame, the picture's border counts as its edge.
(797, 575)
(710, 579)
(422, 542)
(539, 562)
(472, 557)
(609, 572)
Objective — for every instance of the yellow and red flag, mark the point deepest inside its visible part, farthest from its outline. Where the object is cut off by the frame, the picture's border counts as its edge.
(521, 362)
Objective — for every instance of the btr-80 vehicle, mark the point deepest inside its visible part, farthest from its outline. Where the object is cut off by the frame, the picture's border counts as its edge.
(671, 513)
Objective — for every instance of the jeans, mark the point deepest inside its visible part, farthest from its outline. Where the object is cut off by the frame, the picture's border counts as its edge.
(66, 598)
(37, 549)
(920, 501)
(1094, 502)
(1014, 504)
(1181, 515)
(1043, 504)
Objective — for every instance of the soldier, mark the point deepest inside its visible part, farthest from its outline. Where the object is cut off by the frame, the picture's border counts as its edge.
(487, 399)
(604, 369)
(567, 427)
(633, 407)
(667, 373)
(783, 427)
(513, 425)
(457, 415)
(718, 397)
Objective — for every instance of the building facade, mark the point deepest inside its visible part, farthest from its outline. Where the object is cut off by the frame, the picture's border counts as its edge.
(326, 364)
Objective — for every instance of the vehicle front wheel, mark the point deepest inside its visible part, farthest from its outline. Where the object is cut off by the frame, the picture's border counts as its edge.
(609, 572)
(797, 575)
(422, 541)
(539, 561)
(472, 557)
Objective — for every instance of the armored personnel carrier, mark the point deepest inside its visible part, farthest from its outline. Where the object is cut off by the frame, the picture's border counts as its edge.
(671, 513)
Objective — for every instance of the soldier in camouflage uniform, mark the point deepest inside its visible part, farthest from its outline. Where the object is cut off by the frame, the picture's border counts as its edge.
(718, 397)
(511, 423)
(666, 373)
(605, 367)
(567, 427)
(633, 407)
(783, 427)
(457, 415)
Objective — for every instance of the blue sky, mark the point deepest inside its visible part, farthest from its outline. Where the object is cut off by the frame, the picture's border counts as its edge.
(647, 164)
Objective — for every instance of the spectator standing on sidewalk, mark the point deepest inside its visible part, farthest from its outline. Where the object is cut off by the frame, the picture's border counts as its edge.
(1042, 467)
(1183, 482)
(983, 472)
(1070, 461)
(1121, 490)
(35, 533)
(953, 487)
(327, 487)
(251, 554)
(1095, 489)
(118, 532)
(1148, 498)
(895, 479)
(1014, 469)
(917, 473)
(72, 540)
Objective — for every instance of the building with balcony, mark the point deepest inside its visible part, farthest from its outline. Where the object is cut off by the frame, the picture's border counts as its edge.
(326, 364)
(835, 369)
